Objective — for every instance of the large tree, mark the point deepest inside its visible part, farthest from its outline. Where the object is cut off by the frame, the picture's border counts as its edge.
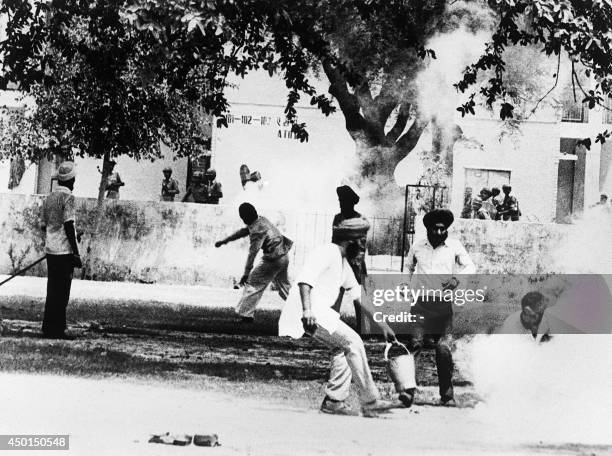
(95, 87)
(371, 51)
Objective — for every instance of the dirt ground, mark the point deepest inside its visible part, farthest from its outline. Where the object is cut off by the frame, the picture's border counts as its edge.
(115, 386)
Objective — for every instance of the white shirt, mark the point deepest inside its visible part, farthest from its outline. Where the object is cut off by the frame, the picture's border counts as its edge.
(513, 325)
(58, 208)
(432, 266)
(326, 272)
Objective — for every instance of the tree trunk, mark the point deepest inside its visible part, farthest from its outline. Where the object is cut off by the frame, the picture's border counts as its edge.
(93, 248)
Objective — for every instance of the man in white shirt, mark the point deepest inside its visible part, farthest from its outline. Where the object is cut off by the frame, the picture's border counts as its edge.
(58, 215)
(309, 310)
(433, 263)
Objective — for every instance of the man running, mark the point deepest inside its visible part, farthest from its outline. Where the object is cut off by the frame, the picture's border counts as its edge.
(274, 264)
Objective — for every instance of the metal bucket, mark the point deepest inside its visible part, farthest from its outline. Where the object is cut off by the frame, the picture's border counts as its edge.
(401, 368)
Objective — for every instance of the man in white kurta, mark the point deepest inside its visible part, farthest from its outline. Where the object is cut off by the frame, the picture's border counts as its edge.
(309, 310)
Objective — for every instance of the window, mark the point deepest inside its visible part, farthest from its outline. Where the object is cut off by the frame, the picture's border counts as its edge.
(574, 111)
(477, 178)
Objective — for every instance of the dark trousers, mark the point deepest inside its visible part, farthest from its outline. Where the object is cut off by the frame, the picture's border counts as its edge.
(58, 293)
(435, 330)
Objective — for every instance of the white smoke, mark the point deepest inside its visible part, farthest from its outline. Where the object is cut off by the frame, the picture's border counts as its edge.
(558, 391)
(454, 51)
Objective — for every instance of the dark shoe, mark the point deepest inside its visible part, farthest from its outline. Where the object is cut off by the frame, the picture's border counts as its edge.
(448, 402)
(372, 409)
(407, 397)
(336, 407)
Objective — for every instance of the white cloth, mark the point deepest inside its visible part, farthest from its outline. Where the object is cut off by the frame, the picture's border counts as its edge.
(513, 325)
(58, 208)
(326, 272)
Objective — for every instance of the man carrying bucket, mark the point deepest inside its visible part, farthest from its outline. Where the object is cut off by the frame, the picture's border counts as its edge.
(435, 261)
(309, 310)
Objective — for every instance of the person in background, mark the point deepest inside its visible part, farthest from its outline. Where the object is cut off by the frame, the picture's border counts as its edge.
(213, 188)
(114, 182)
(495, 192)
(603, 201)
(309, 310)
(197, 189)
(57, 222)
(347, 198)
(466, 212)
(476, 206)
(170, 187)
(487, 209)
(274, 264)
(510, 206)
(434, 263)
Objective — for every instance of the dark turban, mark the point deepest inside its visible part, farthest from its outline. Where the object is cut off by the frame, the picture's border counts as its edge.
(347, 194)
(438, 216)
(506, 187)
(349, 229)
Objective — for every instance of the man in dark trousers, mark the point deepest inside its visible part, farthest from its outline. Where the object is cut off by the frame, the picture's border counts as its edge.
(348, 199)
(274, 264)
(435, 261)
(58, 215)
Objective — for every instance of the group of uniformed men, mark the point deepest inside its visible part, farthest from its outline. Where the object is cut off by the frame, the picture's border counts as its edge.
(203, 189)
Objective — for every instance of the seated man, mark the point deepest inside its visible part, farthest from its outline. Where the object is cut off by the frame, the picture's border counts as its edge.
(531, 319)
(309, 310)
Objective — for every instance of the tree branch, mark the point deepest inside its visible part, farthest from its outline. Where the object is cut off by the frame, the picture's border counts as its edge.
(358, 127)
(348, 102)
(410, 139)
(400, 123)
(551, 89)
(386, 101)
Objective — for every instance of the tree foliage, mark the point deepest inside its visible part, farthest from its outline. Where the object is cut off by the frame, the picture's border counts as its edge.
(138, 57)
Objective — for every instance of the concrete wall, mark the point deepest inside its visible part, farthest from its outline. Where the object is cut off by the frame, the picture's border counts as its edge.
(174, 242)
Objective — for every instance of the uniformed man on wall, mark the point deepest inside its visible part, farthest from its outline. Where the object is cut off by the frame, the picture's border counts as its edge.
(170, 187)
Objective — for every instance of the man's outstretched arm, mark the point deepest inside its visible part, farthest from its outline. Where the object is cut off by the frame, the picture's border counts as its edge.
(243, 232)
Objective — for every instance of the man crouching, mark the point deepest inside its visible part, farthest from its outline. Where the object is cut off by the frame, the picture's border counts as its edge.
(309, 310)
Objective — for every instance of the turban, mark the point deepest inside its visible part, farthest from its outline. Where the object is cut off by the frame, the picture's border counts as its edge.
(66, 171)
(506, 187)
(346, 194)
(485, 193)
(438, 216)
(349, 229)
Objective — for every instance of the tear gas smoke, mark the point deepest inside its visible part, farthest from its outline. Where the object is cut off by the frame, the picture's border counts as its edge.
(558, 391)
